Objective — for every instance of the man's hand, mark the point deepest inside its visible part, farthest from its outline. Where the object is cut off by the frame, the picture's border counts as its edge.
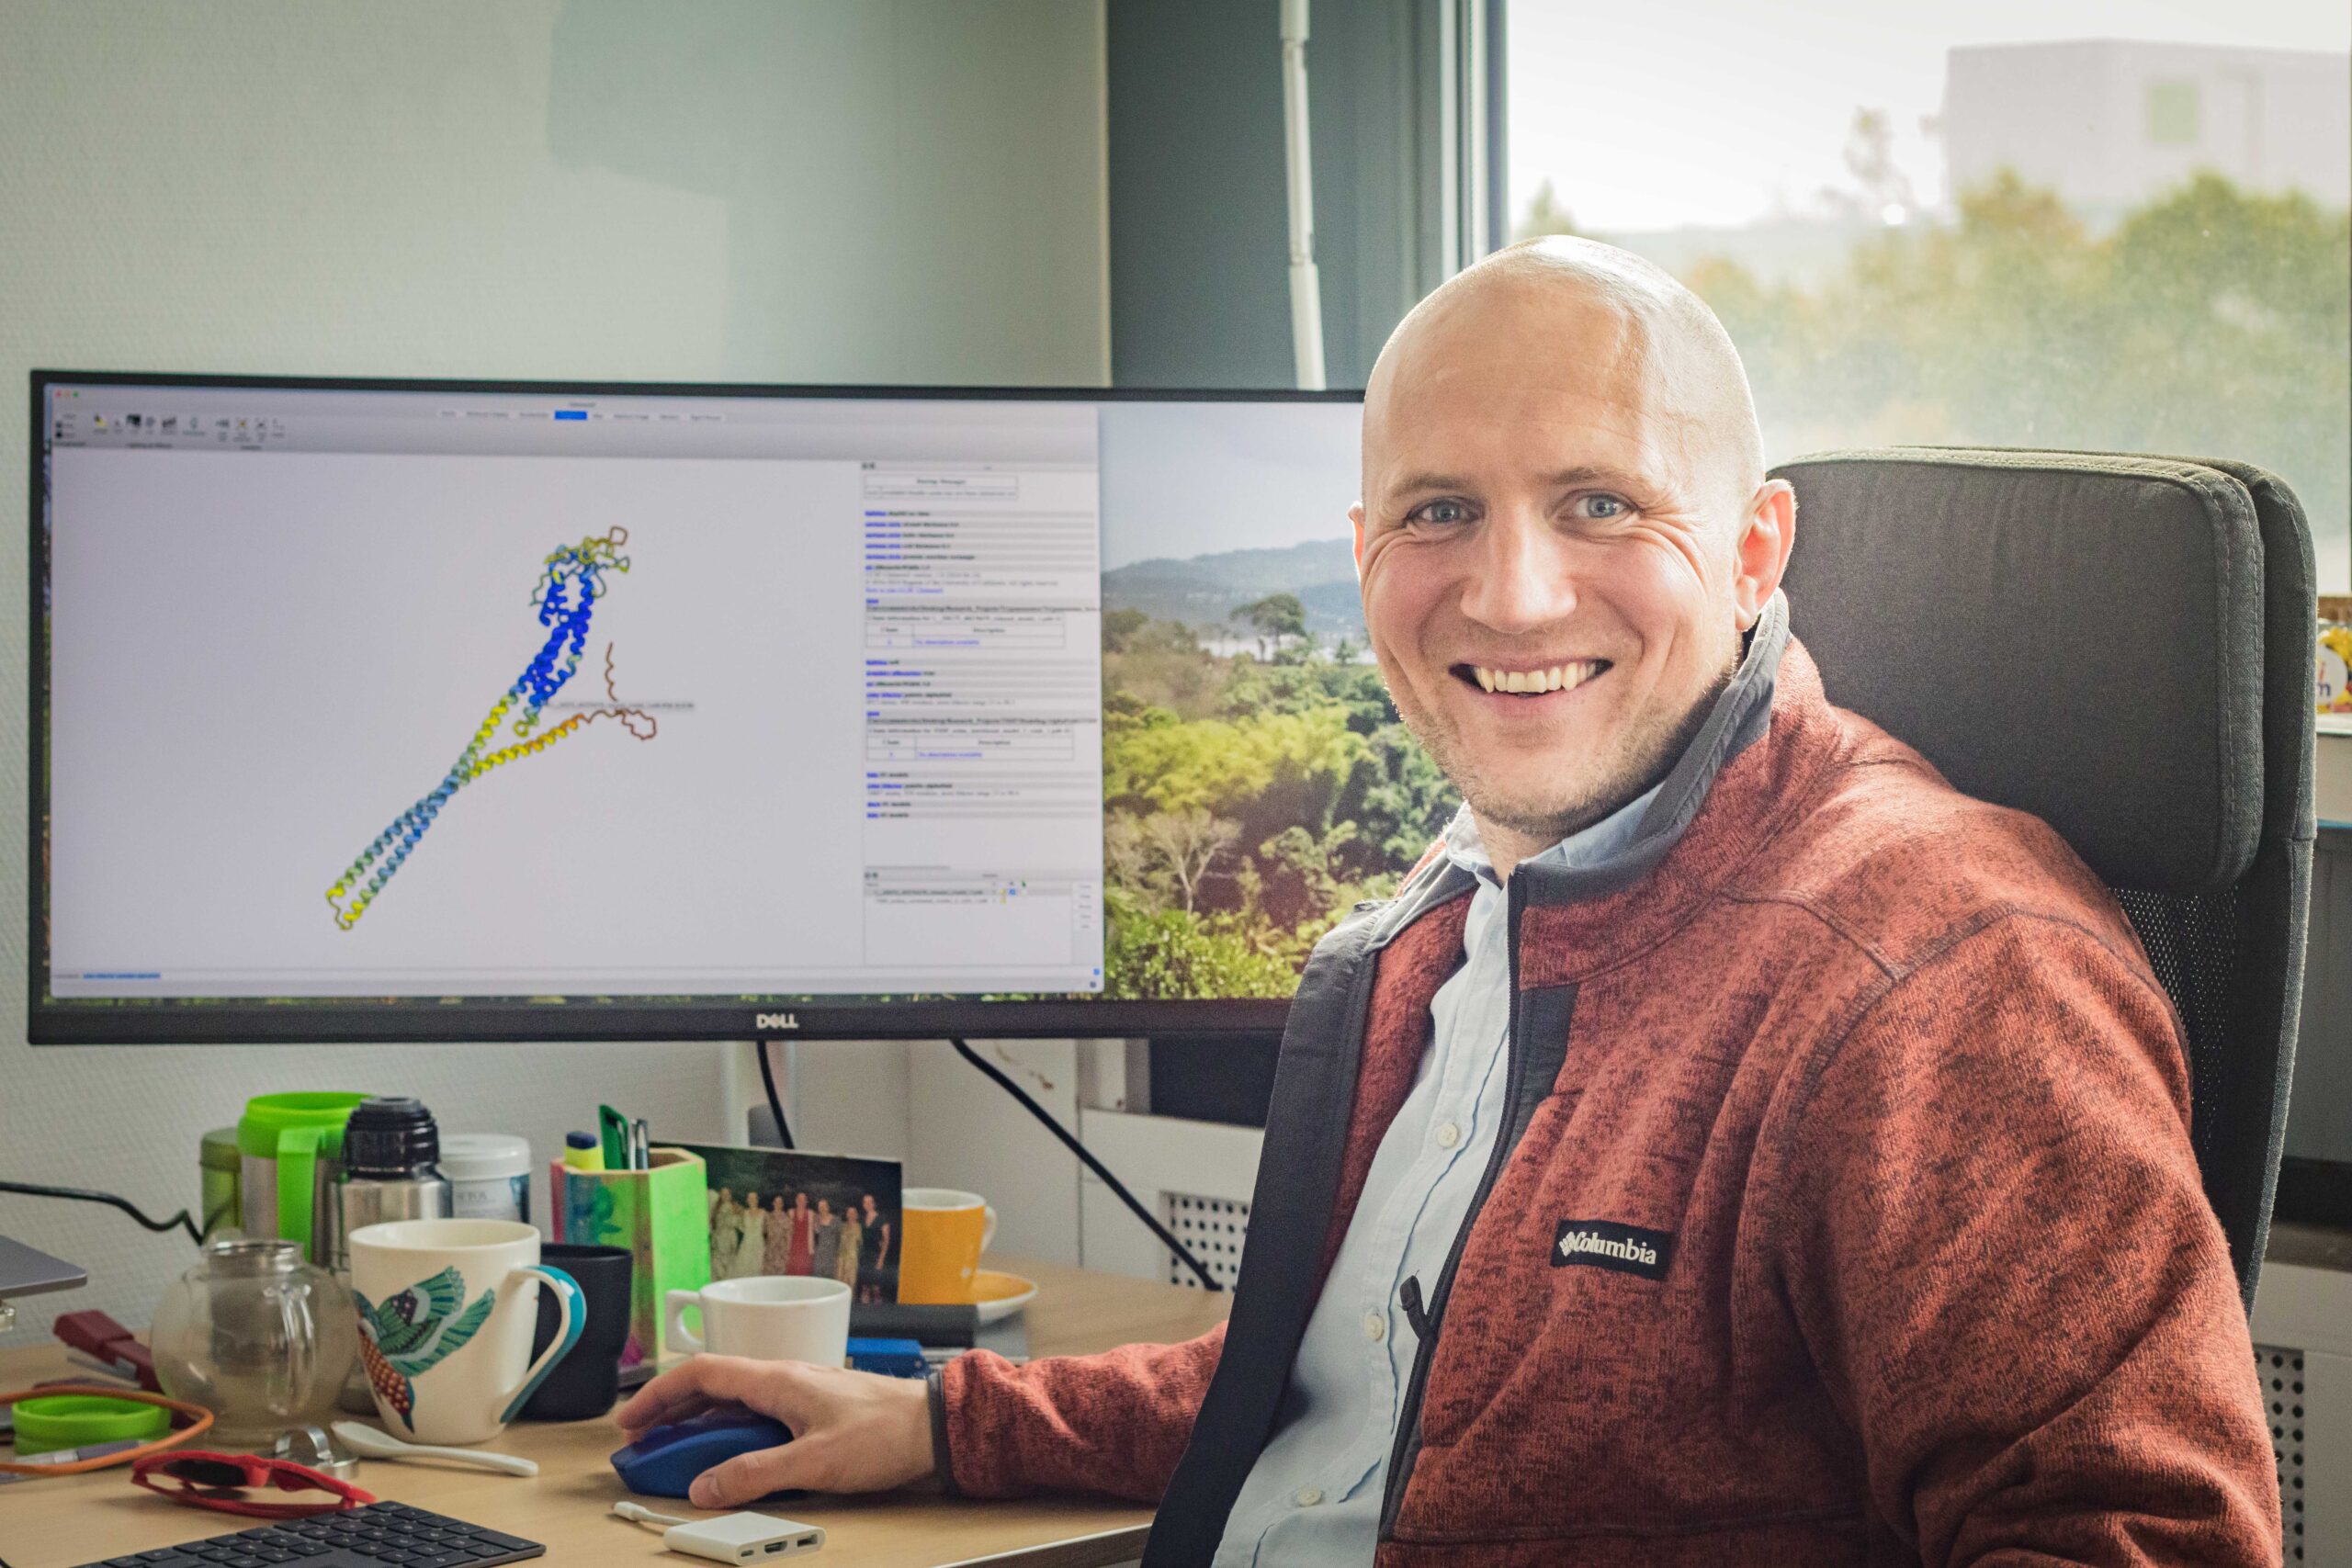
(852, 1431)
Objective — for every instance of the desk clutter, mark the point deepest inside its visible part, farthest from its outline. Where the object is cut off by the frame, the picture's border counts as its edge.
(355, 1258)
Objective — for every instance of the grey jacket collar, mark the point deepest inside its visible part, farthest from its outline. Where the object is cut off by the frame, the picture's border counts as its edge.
(1742, 713)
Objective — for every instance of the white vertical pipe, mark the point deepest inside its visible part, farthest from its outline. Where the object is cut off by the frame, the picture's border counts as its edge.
(1472, 18)
(1452, 250)
(1306, 286)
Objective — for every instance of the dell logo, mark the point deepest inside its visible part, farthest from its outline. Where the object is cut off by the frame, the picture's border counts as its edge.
(776, 1020)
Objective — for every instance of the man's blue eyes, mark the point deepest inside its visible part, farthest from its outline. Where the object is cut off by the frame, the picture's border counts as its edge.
(1596, 507)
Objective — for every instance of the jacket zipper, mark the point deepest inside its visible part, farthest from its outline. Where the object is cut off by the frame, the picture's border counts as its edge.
(1427, 1324)
(1188, 1529)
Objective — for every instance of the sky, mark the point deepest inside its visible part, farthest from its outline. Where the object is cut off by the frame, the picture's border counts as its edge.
(1181, 480)
(1717, 111)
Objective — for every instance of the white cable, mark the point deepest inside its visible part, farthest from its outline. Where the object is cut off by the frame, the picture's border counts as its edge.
(637, 1512)
(1298, 165)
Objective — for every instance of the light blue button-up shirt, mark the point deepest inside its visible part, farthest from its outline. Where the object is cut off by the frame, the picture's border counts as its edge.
(1314, 1497)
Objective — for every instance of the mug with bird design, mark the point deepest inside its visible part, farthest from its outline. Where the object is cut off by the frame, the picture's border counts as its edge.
(446, 1308)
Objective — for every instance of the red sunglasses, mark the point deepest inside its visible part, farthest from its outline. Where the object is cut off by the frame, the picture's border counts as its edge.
(214, 1481)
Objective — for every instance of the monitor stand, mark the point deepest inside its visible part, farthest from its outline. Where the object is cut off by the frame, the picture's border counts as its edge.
(1213, 1078)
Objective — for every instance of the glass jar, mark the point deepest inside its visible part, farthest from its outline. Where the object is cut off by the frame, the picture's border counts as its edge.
(259, 1335)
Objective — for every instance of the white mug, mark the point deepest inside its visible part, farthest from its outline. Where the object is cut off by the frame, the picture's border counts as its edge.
(446, 1308)
(769, 1317)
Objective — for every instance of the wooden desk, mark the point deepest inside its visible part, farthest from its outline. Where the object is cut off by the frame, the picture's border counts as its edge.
(568, 1507)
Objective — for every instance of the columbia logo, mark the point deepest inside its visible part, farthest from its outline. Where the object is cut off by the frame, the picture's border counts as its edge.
(1627, 1251)
(1605, 1243)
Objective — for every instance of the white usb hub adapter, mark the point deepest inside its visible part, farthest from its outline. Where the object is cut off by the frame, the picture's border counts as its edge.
(731, 1538)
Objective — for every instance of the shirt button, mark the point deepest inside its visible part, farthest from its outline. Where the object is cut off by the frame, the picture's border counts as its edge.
(1448, 1136)
(1375, 1327)
(1309, 1496)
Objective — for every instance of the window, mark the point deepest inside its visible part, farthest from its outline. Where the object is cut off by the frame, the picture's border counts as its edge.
(1963, 222)
(2171, 114)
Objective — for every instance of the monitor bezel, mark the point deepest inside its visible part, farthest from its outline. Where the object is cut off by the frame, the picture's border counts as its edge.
(200, 1022)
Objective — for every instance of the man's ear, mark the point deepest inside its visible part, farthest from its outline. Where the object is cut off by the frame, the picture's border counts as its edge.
(1762, 554)
(1356, 520)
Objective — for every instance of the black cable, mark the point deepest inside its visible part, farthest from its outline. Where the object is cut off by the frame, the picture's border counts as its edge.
(1208, 1281)
(83, 1195)
(776, 1101)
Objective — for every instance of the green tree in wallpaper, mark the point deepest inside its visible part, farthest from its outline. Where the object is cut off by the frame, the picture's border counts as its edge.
(1252, 800)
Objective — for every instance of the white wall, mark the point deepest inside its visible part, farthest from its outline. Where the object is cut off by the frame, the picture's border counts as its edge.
(825, 190)
(920, 1102)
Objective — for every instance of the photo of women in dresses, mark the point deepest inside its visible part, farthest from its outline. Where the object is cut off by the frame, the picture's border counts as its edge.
(783, 1211)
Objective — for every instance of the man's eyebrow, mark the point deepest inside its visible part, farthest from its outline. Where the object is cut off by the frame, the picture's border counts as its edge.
(1583, 474)
(1565, 478)
(1413, 484)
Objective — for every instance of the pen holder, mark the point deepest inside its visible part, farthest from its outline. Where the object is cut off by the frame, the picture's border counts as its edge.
(657, 1214)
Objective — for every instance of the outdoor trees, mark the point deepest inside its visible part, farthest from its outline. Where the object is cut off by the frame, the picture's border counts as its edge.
(2210, 321)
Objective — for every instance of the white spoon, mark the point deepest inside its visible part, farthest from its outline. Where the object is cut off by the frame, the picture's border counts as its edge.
(379, 1445)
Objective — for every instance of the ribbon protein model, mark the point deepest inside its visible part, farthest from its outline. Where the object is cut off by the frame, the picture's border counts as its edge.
(570, 581)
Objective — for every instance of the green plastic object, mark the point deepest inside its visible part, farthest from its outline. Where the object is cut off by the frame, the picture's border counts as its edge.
(661, 1215)
(55, 1421)
(293, 1130)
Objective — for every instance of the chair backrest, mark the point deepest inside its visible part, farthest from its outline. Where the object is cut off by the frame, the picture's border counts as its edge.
(2123, 647)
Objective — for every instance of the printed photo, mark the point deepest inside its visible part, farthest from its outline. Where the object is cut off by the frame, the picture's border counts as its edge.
(785, 1211)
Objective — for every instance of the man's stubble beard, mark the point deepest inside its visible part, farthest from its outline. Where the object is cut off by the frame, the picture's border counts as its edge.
(1645, 758)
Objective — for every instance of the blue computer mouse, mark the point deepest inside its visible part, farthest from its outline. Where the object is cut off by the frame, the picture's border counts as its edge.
(664, 1461)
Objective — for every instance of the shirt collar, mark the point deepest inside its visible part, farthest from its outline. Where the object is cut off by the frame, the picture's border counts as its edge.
(1588, 845)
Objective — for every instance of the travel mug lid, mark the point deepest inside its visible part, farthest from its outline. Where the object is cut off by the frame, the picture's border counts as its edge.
(267, 1115)
(390, 1134)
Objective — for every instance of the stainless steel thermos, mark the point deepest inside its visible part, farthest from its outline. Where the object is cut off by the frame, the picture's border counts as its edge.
(391, 1153)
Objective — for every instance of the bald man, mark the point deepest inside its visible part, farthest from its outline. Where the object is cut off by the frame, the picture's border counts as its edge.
(1731, 1145)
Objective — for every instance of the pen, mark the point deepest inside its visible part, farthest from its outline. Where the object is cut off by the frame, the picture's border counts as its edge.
(641, 1145)
(71, 1456)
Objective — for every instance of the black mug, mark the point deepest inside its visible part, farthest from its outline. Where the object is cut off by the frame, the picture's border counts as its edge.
(587, 1381)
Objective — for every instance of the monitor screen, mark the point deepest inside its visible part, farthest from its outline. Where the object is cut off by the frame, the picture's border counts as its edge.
(456, 710)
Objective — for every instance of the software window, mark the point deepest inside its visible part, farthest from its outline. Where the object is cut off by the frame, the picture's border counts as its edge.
(640, 696)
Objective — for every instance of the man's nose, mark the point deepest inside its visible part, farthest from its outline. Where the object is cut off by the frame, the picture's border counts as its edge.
(1519, 576)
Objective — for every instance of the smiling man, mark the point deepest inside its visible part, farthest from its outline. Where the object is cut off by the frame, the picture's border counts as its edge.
(1730, 1146)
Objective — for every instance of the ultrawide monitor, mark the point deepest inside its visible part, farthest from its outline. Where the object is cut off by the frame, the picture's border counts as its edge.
(403, 710)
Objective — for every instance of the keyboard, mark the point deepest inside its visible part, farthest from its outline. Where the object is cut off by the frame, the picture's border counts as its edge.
(381, 1535)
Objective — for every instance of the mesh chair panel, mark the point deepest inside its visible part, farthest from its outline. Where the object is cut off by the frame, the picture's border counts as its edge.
(2193, 946)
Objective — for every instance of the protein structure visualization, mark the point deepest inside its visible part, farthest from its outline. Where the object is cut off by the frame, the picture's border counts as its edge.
(570, 581)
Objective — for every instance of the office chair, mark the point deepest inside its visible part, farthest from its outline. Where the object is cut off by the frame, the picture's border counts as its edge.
(2121, 645)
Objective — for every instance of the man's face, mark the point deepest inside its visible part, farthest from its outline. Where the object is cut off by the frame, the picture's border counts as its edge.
(1547, 552)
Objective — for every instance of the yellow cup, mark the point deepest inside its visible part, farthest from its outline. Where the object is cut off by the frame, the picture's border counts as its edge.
(946, 1231)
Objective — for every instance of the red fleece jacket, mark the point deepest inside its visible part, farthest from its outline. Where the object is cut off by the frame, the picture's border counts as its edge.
(1889, 1066)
